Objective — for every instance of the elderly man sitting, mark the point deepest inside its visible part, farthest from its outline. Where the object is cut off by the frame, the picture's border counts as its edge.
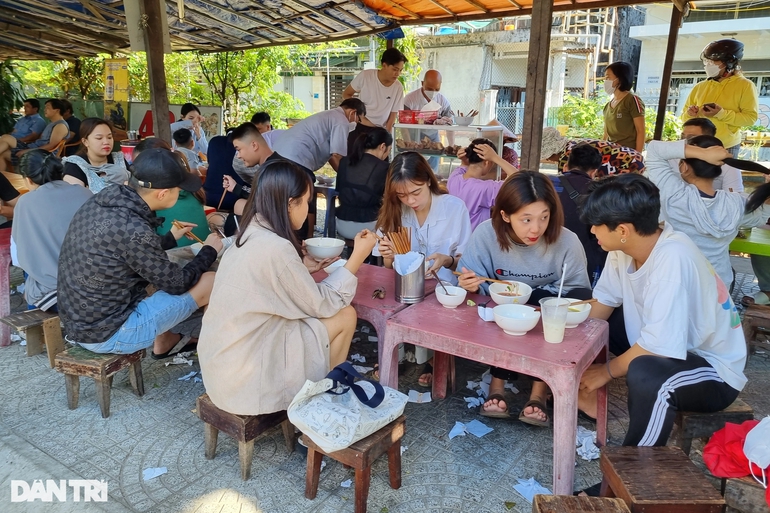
(11, 149)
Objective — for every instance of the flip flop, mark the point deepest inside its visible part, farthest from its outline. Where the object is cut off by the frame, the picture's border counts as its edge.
(760, 298)
(190, 346)
(495, 414)
(427, 369)
(535, 422)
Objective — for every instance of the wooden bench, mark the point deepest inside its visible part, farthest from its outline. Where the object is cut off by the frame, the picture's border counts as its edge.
(746, 495)
(755, 319)
(657, 480)
(42, 328)
(76, 362)
(702, 425)
(360, 456)
(244, 428)
(570, 504)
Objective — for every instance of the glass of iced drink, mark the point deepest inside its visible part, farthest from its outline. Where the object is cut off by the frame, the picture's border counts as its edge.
(554, 314)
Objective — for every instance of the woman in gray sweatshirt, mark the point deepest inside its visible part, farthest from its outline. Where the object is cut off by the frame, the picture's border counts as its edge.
(524, 241)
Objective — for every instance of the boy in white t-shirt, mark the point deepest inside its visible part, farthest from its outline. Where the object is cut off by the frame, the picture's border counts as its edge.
(687, 347)
(380, 90)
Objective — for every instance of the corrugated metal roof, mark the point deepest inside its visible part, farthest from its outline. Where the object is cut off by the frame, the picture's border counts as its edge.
(48, 29)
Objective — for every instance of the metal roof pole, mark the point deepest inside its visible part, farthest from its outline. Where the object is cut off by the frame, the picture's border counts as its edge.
(537, 76)
(153, 43)
(673, 34)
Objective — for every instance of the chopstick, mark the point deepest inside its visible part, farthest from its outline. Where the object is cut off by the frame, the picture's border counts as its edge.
(224, 192)
(191, 234)
(456, 273)
(402, 240)
(584, 302)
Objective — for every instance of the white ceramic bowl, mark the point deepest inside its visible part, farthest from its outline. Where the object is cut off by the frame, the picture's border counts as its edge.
(516, 319)
(453, 301)
(195, 248)
(575, 318)
(335, 265)
(464, 120)
(496, 288)
(324, 247)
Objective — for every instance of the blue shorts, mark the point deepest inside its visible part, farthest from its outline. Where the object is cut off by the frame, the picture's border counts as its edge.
(152, 316)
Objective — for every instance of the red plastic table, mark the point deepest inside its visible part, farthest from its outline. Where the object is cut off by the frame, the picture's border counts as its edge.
(5, 284)
(377, 311)
(461, 332)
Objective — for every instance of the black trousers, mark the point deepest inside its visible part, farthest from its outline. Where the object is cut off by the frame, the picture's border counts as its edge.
(658, 387)
(534, 300)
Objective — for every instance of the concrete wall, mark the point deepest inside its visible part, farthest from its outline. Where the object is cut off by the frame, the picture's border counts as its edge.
(461, 68)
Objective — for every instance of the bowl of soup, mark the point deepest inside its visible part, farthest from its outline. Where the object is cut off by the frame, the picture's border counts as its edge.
(515, 292)
(577, 314)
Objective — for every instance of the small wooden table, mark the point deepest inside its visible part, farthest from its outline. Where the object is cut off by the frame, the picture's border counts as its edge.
(377, 311)
(757, 243)
(461, 332)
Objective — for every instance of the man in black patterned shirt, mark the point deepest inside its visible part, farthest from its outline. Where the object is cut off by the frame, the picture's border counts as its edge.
(111, 253)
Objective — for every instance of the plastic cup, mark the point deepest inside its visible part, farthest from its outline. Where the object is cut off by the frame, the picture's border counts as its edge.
(554, 313)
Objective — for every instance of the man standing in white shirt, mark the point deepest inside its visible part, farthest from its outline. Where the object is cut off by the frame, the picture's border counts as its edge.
(380, 91)
(431, 85)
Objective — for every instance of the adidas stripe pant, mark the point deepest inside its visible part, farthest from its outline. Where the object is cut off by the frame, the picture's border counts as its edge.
(658, 387)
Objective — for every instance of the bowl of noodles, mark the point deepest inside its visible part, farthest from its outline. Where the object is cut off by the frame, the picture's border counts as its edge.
(514, 293)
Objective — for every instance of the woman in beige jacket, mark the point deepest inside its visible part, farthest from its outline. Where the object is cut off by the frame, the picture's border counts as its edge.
(269, 326)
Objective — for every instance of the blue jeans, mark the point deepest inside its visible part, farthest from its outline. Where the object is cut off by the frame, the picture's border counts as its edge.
(152, 316)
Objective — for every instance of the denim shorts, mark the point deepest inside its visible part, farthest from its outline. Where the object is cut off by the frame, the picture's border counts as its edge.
(152, 316)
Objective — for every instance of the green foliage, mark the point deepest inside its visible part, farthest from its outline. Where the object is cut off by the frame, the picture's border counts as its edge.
(235, 78)
(583, 115)
(756, 128)
(83, 77)
(184, 81)
(672, 125)
(279, 104)
(11, 97)
(586, 120)
(40, 78)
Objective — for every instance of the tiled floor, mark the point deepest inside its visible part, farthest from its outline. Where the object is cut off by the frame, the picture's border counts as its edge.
(41, 439)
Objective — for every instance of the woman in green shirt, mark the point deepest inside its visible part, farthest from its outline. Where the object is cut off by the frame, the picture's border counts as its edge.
(624, 113)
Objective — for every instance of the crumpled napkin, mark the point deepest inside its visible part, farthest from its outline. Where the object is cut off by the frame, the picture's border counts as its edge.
(152, 473)
(358, 358)
(419, 397)
(473, 427)
(529, 488)
(474, 401)
(486, 313)
(408, 263)
(586, 444)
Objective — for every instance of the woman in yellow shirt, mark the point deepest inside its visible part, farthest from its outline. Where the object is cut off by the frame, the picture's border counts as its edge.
(624, 113)
(727, 98)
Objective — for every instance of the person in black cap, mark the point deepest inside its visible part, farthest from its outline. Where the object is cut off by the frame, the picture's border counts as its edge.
(111, 253)
(727, 98)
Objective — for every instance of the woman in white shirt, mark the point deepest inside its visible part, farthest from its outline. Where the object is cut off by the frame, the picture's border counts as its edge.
(190, 112)
(687, 347)
(440, 223)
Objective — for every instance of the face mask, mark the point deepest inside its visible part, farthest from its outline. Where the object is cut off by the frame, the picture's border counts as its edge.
(429, 94)
(608, 87)
(712, 70)
(352, 126)
(757, 449)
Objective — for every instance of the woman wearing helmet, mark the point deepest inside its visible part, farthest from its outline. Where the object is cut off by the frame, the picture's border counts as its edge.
(727, 97)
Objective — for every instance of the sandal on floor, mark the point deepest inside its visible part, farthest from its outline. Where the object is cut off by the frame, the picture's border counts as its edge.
(495, 414)
(535, 422)
(374, 374)
(427, 369)
(190, 346)
(591, 491)
(760, 298)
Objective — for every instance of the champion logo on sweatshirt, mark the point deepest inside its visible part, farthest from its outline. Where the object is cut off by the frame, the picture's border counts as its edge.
(504, 273)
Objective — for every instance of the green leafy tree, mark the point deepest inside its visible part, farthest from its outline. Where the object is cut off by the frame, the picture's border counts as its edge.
(11, 97)
(83, 78)
(184, 81)
(40, 78)
(235, 78)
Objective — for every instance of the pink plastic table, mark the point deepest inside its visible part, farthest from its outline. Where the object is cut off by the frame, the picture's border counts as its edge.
(5, 284)
(377, 311)
(461, 332)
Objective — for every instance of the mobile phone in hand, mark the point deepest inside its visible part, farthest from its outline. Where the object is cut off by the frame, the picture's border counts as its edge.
(710, 106)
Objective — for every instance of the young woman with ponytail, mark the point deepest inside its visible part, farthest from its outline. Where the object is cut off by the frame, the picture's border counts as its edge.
(690, 203)
(361, 182)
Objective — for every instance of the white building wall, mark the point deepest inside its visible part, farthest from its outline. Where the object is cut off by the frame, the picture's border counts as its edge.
(460, 68)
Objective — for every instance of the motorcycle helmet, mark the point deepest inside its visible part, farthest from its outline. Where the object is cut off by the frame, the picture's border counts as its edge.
(728, 51)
